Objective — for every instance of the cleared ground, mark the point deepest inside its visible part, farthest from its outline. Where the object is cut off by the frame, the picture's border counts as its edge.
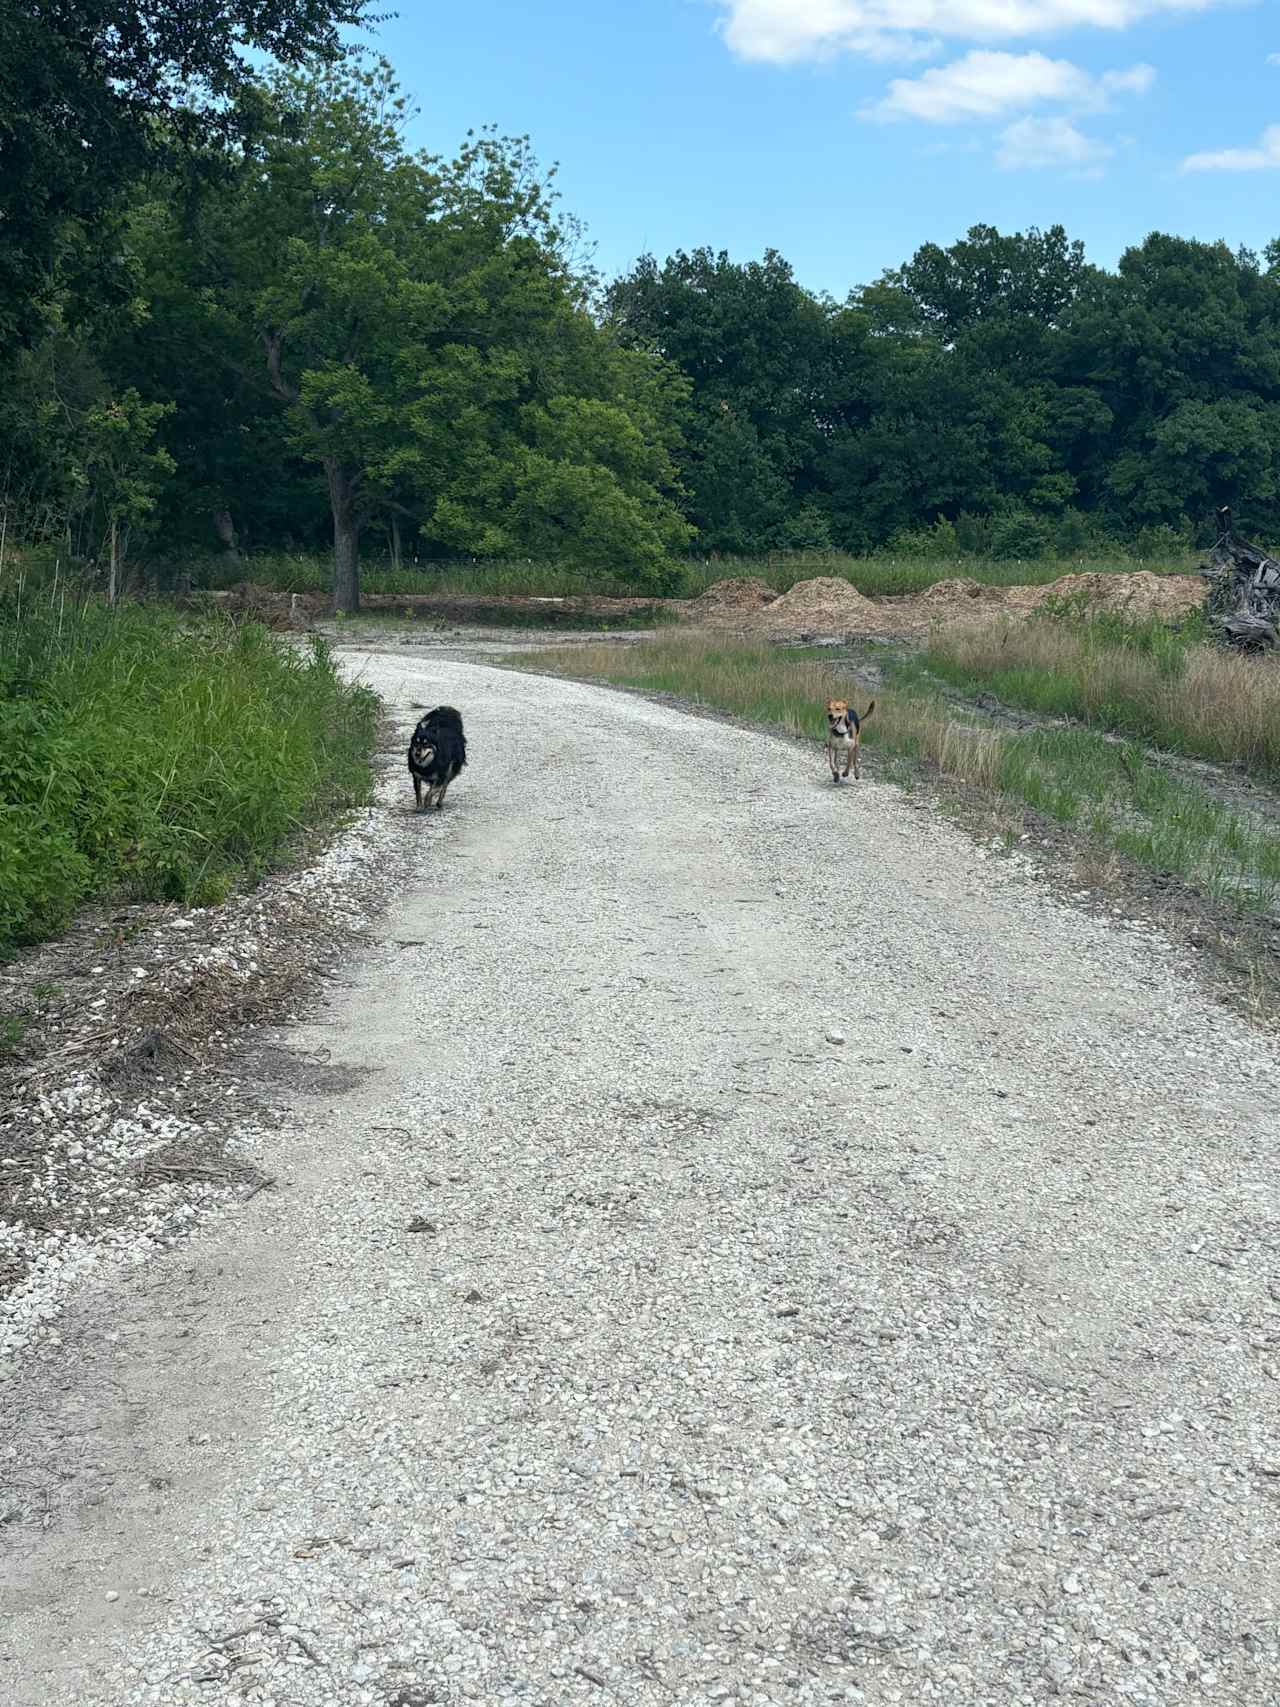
(618, 1332)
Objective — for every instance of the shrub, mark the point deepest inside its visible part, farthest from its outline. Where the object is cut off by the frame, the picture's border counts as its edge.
(1020, 534)
(142, 756)
(934, 544)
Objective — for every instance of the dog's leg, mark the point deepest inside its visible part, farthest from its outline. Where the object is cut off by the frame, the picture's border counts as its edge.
(834, 762)
(417, 793)
(444, 787)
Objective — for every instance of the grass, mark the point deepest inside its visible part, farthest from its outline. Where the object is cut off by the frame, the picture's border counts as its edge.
(147, 758)
(1163, 686)
(513, 617)
(1104, 788)
(882, 575)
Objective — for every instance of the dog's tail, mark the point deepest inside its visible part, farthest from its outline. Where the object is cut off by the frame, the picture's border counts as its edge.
(866, 714)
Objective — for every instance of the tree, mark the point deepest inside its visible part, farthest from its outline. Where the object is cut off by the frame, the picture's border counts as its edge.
(423, 331)
(121, 469)
(560, 446)
(1018, 284)
(237, 478)
(93, 93)
(934, 436)
(1181, 347)
(756, 348)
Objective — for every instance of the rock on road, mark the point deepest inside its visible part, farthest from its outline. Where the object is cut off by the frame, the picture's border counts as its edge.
(726, 1363)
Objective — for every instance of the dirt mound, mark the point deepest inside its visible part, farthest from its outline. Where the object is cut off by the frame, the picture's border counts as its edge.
(727, 602)
(823, 606)
(957, 587)
(1141, 594)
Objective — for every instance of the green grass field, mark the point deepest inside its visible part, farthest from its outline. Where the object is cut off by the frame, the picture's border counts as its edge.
(147, 757)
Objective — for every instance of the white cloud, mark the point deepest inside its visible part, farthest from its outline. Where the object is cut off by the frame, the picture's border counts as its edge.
(1045, 142)
(985, 85)
(1273, 59)
(786, 32)
(1260, 159)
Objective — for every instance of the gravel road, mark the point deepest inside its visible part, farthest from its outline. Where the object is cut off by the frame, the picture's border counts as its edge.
(766, 1250)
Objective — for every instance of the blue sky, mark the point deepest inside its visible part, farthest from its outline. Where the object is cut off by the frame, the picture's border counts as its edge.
(845, 133)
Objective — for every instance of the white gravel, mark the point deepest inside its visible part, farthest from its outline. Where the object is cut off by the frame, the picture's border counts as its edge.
(73, 1146)
(728, 1362)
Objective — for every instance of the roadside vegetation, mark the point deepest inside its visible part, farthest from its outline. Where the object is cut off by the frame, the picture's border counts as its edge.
(1086, 778)
(883, 574)
(1160, 685)
(148, 758)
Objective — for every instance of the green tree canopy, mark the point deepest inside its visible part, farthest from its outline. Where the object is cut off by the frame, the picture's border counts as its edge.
(421, 329)
(93, 93)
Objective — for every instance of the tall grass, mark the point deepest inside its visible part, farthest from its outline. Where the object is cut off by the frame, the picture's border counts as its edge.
(883, 575)
(1166, 687)
(139, 756)
(1104, 788)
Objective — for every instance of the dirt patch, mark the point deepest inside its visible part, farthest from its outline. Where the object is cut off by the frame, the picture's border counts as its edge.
(826, 605)
(253, 603)
(1141, 594)
(727, 603)
(959, 591)
(746, 604)
(308, 1074)
(301, 610)
(155, 1059)
(1167, 598)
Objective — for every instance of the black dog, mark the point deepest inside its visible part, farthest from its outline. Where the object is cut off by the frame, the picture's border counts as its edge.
(437, 752)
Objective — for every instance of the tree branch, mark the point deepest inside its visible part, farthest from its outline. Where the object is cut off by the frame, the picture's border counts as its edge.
(273, 343)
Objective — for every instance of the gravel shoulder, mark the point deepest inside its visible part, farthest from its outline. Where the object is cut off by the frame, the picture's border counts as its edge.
(610, 1331)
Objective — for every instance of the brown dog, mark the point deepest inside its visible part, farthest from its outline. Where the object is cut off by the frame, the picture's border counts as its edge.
(844, 738)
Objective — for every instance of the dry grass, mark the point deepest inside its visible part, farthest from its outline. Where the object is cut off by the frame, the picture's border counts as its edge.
(755, 681)
(1101, 787)
(1140, 679)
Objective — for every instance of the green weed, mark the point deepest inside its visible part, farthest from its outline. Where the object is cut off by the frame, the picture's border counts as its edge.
(143, 756)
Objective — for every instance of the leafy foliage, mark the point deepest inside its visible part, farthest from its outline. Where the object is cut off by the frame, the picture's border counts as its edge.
(142, 756)
(95, 92)
(301, 330)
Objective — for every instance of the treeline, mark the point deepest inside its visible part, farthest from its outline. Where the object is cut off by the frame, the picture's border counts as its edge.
(258, 320)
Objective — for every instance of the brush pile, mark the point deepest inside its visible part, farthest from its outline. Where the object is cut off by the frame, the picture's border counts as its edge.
(1244, 591)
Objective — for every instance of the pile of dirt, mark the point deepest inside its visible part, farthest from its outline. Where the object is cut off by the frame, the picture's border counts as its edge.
(960, 589)
(727, 603)
(823, 606)
(1142, 594)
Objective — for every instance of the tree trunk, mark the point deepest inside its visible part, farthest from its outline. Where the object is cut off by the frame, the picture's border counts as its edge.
(397, 555)
(1244, 591)
(346, 538)
(113, 580)
(225, 528)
